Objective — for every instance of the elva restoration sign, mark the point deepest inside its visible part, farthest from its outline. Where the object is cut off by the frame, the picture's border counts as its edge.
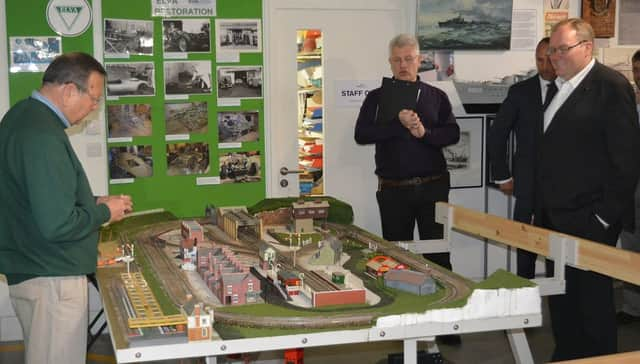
(169, 8)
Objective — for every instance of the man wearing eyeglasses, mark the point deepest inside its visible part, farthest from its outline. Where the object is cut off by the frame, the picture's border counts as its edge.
(49, 219)
(587, 170)
(520, 114)
(411, 169)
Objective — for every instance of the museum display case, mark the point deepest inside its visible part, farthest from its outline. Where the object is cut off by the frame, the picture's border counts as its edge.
(310, 111)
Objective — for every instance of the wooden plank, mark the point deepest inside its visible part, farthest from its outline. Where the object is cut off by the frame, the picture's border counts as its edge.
(593, 256)
(624, 358)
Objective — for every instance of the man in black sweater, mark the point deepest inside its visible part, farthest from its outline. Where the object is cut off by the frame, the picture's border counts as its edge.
(411, 169)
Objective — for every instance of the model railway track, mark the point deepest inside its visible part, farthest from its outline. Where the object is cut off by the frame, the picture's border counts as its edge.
(456, 287)
(174, 282)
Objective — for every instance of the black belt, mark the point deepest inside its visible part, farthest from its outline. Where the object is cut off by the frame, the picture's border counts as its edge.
(413, 181)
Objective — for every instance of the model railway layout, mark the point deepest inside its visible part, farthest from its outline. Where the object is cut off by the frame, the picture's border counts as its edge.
(135, 304)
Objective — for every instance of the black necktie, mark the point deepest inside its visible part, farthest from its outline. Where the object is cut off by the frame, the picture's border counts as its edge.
(552, 89)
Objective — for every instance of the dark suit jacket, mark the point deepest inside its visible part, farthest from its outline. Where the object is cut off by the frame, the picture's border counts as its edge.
(589, 156)
(521, 112)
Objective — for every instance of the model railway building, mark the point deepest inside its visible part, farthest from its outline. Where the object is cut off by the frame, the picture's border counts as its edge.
(235, 219)
(410, 281)
(228, 277)
(381, 264)
(199, 320)
(304, 212)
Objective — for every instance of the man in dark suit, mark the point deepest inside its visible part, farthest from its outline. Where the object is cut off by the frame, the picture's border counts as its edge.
(521, 113)
(587, 169)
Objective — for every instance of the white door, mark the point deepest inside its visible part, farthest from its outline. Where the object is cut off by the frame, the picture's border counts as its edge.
(355, 37)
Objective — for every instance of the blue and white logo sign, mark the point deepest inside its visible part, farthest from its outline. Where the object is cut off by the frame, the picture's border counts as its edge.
(69, 18)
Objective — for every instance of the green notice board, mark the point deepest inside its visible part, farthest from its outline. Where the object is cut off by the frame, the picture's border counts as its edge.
(172, 173)
(176, 172)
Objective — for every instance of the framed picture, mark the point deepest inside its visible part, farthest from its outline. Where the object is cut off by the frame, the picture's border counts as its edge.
(464, 159)
(509, 153)
(130, 79)
(33, 54)
(239, 35)
(186, 36)
(469, 24)
(124, 37)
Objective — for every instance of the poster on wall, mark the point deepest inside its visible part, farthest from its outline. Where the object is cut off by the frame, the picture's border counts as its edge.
(130, 162)
(130, 79)
(464, 24)
(187, 78)
(33, 54)
(128, 120)
(619, 59)
(186, 118)
(186, 36)
(238, 126)
(629, 26)
(464, 159)
(240, 167)
(125, 37)
(238, 35)
(436, 66)
(555, 11)
(187, 159)
(235, 83)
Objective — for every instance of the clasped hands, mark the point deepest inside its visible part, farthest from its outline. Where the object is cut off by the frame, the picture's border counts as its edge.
(411, 121)
(119, 205)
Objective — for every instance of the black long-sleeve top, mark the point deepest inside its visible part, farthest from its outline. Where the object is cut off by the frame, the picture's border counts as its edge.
(400, 155)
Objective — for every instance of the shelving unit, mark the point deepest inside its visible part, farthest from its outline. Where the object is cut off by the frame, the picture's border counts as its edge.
(310, 112)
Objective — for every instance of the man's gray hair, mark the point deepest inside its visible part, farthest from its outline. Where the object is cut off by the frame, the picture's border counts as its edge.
(404, 40)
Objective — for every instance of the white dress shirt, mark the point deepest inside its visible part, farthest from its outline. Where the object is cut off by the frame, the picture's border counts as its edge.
(565, 89)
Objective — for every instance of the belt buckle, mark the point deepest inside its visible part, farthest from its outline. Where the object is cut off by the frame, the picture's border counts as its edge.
(416, 181)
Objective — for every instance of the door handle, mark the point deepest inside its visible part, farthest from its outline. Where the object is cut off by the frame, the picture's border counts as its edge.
(285, 171)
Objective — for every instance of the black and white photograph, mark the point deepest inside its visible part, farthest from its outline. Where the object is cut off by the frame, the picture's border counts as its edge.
(464, 159)
(186, 35)
(124, 37)
(129, 120)
(187, 77)
(185, 159)
(238, 126)
(186, 118)
(239, 82)
(239, 35)
(133, 161)
(33, 54)
(491, 182)
(130, 79)
(240, 167)
(464, 24)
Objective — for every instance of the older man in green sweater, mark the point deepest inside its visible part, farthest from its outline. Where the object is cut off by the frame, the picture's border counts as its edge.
(49, 218)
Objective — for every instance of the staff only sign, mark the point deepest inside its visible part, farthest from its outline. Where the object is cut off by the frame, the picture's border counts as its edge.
(351, 93)
(169, 8)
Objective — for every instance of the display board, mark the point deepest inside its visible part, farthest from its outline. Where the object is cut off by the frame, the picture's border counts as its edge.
(184, 106)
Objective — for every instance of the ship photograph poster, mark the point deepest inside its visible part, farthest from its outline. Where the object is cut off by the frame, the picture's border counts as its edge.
(464, 24)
